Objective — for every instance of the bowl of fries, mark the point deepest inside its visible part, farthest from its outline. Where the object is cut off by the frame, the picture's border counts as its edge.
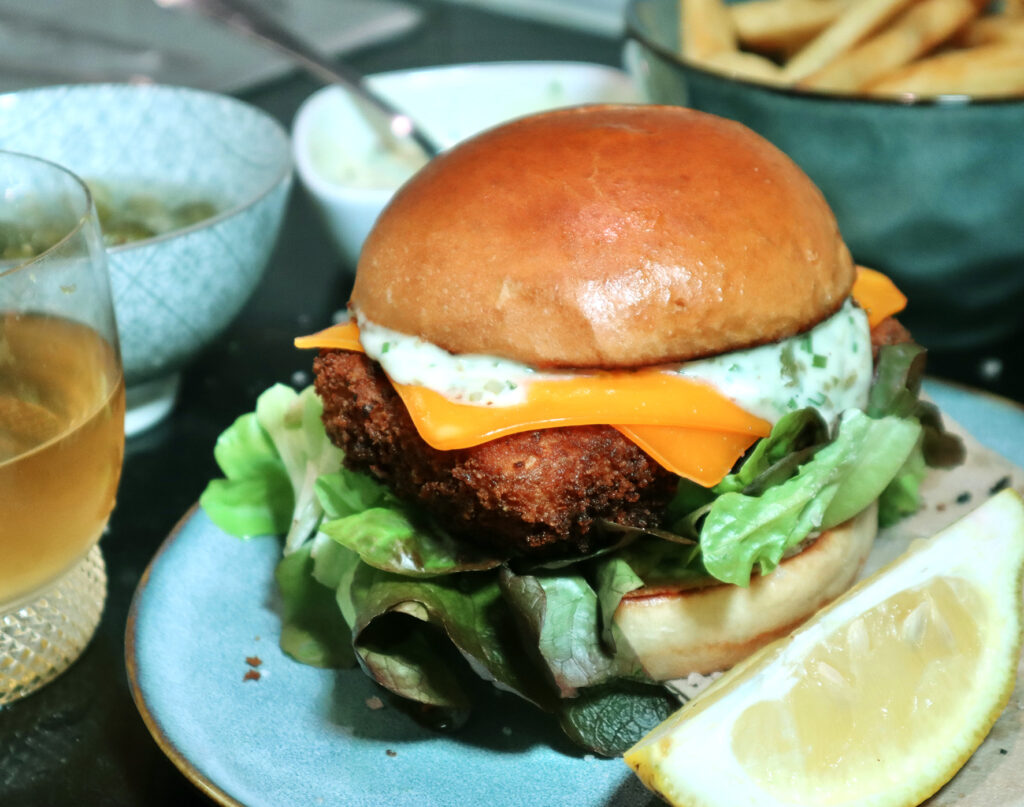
(908, 114)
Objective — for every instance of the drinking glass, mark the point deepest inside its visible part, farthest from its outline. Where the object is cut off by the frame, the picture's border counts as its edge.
(61, 421)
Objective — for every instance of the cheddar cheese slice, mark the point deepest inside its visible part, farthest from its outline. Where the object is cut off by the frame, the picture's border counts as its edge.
(685, 425)
(877, 295)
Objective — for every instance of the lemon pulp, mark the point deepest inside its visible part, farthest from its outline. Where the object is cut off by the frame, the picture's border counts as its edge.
(878, 700)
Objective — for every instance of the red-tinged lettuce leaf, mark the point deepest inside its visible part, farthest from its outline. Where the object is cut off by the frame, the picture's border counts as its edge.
(612, 718)
(560, 616)
(895, 390)
(414, 661)
(425, 639)
(403, 627)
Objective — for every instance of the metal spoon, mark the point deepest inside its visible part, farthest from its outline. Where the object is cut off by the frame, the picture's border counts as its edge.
(396, 129)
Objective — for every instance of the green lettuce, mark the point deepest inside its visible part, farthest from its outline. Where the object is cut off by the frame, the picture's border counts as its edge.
(899, 371)
(742, 532)
(271, 460)
(256, 496)
(313, 629)
(365, 516)
(368, 578)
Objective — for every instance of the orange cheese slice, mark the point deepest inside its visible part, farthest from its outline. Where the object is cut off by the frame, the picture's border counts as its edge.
(877, 295)
(685, 425)
(701, 455)
(646, 397)
(344, 336)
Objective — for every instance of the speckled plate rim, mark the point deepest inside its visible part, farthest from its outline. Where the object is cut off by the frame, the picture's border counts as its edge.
(302, 735)
(957, 400)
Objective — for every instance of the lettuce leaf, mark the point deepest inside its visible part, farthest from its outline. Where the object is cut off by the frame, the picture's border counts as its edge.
(402, 624)
(611, 718)
(293, 422)
(313, 629)
(271, 459)
(560, 615)
(388, 539)
(896, 389)
(369, 578)
(741, 532)
(901, 496)
(793, 440)
(256, 497)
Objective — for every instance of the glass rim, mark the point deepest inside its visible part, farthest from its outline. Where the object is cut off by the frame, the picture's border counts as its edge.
(74, 230)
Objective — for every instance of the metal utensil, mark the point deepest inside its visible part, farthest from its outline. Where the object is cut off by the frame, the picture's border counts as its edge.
(396, 129)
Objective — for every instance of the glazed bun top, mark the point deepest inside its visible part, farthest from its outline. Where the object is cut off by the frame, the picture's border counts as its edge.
(605, 236)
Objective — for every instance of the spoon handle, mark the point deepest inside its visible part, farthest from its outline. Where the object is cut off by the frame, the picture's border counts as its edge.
(392, 124)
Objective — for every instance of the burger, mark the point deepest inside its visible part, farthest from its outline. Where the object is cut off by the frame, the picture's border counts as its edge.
(610, 405)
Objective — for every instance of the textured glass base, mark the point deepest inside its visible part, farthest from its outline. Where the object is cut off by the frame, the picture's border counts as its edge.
(40, 638)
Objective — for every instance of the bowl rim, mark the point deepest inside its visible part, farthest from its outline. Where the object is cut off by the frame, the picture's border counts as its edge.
(336, 192)
(279, 133)
(637, 32)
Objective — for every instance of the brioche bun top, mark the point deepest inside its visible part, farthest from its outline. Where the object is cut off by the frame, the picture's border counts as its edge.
(605, 236)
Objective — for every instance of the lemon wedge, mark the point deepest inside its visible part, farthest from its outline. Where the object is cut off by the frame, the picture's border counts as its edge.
(877, 700)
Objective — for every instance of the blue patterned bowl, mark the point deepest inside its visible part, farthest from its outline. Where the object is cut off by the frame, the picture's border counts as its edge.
(929, 191)
(175, 292)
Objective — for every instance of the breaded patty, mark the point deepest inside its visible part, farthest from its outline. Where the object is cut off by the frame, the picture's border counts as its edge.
(536, 492)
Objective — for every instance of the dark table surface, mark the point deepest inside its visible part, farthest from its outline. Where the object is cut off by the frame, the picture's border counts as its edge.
(80, 741)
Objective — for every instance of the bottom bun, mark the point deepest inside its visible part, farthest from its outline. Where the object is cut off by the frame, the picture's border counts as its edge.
(679, 630)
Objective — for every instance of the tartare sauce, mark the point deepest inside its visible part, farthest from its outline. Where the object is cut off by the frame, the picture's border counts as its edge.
(827, 367)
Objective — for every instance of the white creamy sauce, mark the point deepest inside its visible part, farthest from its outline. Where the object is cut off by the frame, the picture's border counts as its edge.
(361, 160)
(379, 165)
(828, 367)
(463, 378)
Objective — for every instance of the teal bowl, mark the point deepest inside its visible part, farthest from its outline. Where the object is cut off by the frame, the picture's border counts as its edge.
(175, 292)
(929, 191)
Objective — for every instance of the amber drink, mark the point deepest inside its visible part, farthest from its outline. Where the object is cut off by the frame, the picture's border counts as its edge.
(61, 421)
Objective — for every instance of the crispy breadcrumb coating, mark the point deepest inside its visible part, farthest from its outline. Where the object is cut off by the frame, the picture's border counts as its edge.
(536, 492)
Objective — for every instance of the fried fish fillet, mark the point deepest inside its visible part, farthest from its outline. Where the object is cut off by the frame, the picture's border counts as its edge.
(537, 492)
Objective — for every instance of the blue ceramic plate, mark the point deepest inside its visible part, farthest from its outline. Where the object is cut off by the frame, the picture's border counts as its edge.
(206, 608)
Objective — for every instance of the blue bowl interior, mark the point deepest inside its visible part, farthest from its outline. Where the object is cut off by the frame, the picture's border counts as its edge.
(191, 140)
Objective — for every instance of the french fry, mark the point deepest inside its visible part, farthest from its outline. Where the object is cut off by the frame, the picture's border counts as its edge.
(849, 28)
(745, 65)
(782, 26)
(989, 70)
(911, 34)
(989, 30)
(869, 47)
(705, 28)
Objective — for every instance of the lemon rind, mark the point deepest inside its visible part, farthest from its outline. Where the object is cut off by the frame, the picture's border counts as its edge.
(712, 776)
